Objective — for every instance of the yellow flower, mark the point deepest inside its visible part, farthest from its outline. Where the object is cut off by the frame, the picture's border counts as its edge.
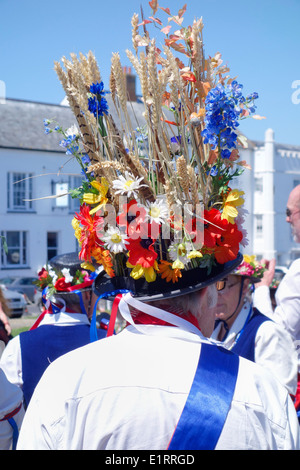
(177, 264)
(250, 259)
(139, 271)
(76, 226)
(100, 199)
(194, 254)
(233, 200)
(87, 265)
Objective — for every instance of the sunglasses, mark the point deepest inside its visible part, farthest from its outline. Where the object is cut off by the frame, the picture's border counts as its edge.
(221, 285)
(289, 213)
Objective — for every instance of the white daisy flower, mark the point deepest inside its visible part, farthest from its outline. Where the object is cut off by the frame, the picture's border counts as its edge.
(114, 239)
(157, 211)
(53, 275)
(179, 251)
(128, 185)
(67, 275)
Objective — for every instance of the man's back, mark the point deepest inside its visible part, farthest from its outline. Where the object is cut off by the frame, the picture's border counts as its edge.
(128, 392)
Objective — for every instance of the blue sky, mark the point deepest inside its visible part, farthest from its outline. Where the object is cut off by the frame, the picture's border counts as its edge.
(258, 39)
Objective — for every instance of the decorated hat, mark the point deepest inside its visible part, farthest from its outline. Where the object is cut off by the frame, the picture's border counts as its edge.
(159, 209)
(64, 274)
(250, 268)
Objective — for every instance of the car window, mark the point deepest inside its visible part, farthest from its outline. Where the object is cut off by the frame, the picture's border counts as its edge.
(6, 280)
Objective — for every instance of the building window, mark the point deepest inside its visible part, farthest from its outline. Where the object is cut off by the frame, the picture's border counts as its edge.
(19, 190)
(259, 187)
(17, 253)
(52, 244)
(258, 226)
(74, 204)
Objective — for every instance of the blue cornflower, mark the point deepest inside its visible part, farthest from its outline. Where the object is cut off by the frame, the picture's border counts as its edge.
(96, 107)
(97, 88)
(97, 104)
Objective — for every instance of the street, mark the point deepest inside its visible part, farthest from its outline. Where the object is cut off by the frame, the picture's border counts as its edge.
(27, 320)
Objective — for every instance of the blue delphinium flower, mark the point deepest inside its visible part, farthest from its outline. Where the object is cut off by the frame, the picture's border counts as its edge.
(70, 143)
(97, 104)
(224, 109)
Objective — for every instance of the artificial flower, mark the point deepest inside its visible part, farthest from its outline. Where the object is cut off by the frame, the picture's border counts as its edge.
(91, 227)
(233, 200)
(61, 284)
(213, 227)
(114, 239)
(67, 275)
(132, 216)
(103, 257)
(128, 185)
(167, 272)
(142, 252)
(138, 271)
(100, 199)
(227, 245)
(178, 252)
(157, 211)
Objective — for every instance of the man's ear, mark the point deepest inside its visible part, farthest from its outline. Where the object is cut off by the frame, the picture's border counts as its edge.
(246, 286)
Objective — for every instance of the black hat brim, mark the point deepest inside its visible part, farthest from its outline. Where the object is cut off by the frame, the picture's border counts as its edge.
(191, 281)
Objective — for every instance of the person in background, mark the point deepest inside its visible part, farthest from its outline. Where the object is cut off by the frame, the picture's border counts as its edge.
(63, 326)
(11, 413)
(287, 297)
(5, 328)
(247, 332)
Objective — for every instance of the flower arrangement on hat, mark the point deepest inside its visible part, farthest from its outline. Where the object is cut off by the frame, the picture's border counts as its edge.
(157, 198)
(250, 267)
(56, 280)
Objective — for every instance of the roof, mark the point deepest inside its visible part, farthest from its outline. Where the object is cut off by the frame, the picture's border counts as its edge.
(22, 125)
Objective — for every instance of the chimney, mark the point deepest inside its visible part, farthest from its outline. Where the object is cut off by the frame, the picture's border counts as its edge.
(130, 84)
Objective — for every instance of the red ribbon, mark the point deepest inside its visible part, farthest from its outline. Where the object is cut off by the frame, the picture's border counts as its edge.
(113, 315)
(12, 413)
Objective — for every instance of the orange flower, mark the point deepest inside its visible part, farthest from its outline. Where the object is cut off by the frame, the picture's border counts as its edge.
(90, 225)
(103, 257)
(167, 272)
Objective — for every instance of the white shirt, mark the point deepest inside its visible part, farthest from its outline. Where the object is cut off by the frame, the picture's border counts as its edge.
(274, 348)
(10, 399)
(287, 297)
(11, 359)
(127, 392)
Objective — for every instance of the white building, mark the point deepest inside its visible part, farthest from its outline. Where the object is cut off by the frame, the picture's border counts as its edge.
(275, 172)
(34, 166)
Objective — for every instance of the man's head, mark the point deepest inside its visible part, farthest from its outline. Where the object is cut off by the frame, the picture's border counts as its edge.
(232, 291)
(200, 304)
(293, 212)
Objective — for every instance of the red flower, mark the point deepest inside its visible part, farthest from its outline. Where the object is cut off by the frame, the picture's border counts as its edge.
(227, 246)
(213, 227)
(92, 226)
(61, 284)
(43, 274)
(141, 251)
(132, 217)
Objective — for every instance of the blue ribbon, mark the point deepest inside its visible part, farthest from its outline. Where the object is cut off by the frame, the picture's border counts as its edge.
(93, 327)
(209, 400)
(15, 432)
(83, 310)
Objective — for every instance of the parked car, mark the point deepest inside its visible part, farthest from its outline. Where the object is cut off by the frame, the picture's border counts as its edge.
(15, 301)
(24, 285)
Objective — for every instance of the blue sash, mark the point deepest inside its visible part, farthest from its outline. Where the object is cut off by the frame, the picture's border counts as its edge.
(209, 400)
